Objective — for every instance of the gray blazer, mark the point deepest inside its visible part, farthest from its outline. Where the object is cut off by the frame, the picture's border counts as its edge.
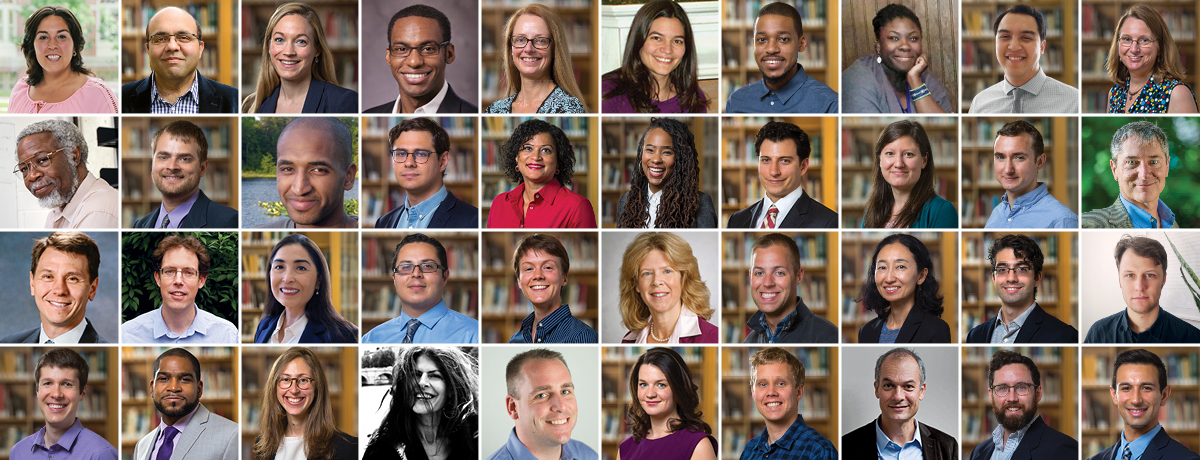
(220, 439)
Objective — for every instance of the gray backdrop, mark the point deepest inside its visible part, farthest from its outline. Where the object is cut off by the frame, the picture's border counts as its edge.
(378, 86)
(23, 314)
(584, 362)
(941, 406)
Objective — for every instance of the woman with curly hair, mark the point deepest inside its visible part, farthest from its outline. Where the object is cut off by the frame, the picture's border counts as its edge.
(1144, 56)
(539, 158)
(665, 418)
(903, 291)
(299, 307)
(659, 68)
(297, 415)
(538, 65)
(297, 73)
(56, 80)
(665, 190)
(434, 410)
(663, 299)
(903, 193)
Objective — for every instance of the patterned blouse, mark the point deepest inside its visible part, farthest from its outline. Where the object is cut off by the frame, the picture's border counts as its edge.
(1155, 96)
(557, 102)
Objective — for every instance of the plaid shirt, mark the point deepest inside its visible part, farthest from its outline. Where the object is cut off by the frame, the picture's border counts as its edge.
(189, 102)
(800, 442)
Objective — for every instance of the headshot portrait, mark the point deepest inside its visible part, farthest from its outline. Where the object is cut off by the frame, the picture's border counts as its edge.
(777, 288)
(900, 58)
(796, 174)
(1020, 402)
(304, 401)
(309, 58)
(65, 398)
(1144, 67)
(64, 173)
(531, 180)
(557, 276)
(70, 59)
(900, 290)
(420, 173)
(788, 68)
(65, 268)
(441, 77)
(180, 173)
(1021, 173)
(1020, 288)
(1013, 59)
(540, 75)
(192, 64)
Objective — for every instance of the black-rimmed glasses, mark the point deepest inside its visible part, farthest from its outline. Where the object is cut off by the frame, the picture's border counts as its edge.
(286, 382)
(427, 49)
(538, 42)
(421, 156)
(426, 267)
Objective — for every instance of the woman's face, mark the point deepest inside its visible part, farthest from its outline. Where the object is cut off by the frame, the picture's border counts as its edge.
(293, 276)
(664, 47)
(532, 63)
(900, 44)
(654, 393)
(1138, 59)
(896, 274)
(53, 45)
(658, 158)
(659, 283)
(431, 387)
(538, 159)
(293, 46)
(296, 401)
(901, 163)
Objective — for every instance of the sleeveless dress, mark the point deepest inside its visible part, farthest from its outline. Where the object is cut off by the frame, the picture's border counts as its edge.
(675, 446)
(1155, 96)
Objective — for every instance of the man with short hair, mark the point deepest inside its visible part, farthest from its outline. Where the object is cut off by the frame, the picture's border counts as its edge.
(783, 150)
(1027, 203)
(175, 45)
(420, 153)
(900, 387)
(1141, 161)
(420, 272)
(187, 429)
(777, 386)
(784, 87)
(1139, 391)
(418, 51)
(52, 158)
(180, 159)
(182, 269)
(1015, 389)
(1020, 41)
(60, 384)
(782, 316)
(64, 273)
(541, 399)
(314, 167)
(1142, 272)
(1016, 272)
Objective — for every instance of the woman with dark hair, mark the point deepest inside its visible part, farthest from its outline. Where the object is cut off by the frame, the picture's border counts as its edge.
(659, 68)
(299, 307)
(297, 74)
(538, 65)
(434, 412)
(56, 80)
(665, 189)
(896, 79)
(903, 291)
(1144, 56)
(539, 158)
(665, 417)
(297, 415)
(903, 194)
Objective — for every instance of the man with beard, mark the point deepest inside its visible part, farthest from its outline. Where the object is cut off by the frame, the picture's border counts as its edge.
(777, 386)
(314, 167)
(784, 88)
(1139, 390)
(177, 387)
(1016, 271)
(52, 159)
(541, 400)
(1015, 388)
(180, 160)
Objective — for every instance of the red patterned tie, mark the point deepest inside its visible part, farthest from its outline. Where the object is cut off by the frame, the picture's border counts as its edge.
(769, 222)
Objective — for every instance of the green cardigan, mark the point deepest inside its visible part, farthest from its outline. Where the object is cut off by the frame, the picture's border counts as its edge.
(937, 213)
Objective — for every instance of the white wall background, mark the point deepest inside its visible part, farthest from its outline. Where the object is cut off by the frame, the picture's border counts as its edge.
(18, 207)
(939, 409)
(1099, 285)
(584, 362)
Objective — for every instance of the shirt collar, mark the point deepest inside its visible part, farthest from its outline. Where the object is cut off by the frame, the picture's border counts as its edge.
(1015, 438)
(297, 328)
(786, 441)
(784, 205)
(425, 207)
(181, 423)
(429, 108)
(548, 192)
(547, 324)
(1143, 219)
(1138, 446)
(71, 336)
(68, 210)
(882, 441)
(1021, 318)
(1033, 86)
(194, 90)
(1029, 199)
(790, 88)
(178, 213)
(688, 325)
(67, 441)
(430, 318)
(199, 325)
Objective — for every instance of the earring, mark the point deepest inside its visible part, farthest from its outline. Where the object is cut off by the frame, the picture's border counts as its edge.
(878, 59)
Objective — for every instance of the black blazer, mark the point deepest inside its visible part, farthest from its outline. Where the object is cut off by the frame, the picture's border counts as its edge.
(1039, 327)
(1040, 442)
(935, 445)
(215, 97)
(1162, 447)
(322, 97)
(31, 336)
(806, 213)
(706, 214)
(450, 104)
(205, 213)
(313, 332)
(452, 213)
(345, 447)
(918, 327)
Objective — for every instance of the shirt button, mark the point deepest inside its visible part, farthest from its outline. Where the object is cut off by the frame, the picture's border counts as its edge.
(772, 102)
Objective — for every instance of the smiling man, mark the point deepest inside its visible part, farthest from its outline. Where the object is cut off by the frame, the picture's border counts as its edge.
(177, 387)
(1016, 272)
(1020, 41)
(64, 273)
(420, 153)
(175, 45)
(1015, 389)
(1139, 391)
(418, 51)
(782, 316)
(182, 268)
(1141, 161)
(541, 401)
(784, 87)
(52, 159)
(1018, 156)
(419, 273)
(1141, 272)
(314, 167)
(61, 378)
(777, 386)
(180, 160)
(542, 265)
(783, 150)
(899, 387)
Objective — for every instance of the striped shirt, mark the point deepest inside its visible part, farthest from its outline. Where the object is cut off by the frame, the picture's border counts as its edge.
(799, 442)
(557, 327)
(189, 102)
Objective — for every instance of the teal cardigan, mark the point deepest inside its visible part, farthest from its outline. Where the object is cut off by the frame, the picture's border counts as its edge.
(937, 213)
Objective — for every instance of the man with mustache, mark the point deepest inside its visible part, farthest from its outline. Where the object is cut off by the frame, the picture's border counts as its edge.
(181, 268)
(899, 387)
(541, 401)
(1020, 41)
(1016, 271)
(52, 159)
(314, 167)
(175, 45)
(784, 88)
(187, 430)
(1018, 156)
(777, 386)
(1141, 272)
(420, 272)
(180, 152)
(64, 273)
(1015, 388)
(1139, 390)
(1141, 161)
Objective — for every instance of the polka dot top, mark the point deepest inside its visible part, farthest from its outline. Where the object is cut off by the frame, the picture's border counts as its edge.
(1155, 97)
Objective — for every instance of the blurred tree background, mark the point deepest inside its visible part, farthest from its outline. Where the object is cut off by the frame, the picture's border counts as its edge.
(140, 293)
(259, 135)
(1182, 192)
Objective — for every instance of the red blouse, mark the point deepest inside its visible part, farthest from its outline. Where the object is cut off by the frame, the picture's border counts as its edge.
(553, 207)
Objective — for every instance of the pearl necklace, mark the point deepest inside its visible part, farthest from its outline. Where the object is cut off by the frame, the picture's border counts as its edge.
(655, 336)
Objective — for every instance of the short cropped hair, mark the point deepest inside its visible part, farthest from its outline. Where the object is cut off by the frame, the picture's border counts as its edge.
(71, 243)
(179, 353)
(892, 12)
(340, 134)
(1023, 247)
(1003, 358)
(190, 243)
(441, 140)
(1019, 127)
(778, 131)
(1141, 356)
(68, 136)
(778, 239)
(512, 372)
(1142, 246)
(785, 10)
(1025, 10)
(62, 358)
(1146, 132)
(421, 11)
(902, 352)
(544, 243)
(776, 355)
(184, 130)
(422, 238)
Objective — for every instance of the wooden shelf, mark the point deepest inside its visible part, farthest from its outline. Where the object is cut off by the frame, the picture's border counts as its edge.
(218, 371)
(217, 21)
(1058, 293)
(1060, 383)
(740, 185)
(503, 305)
(341, 370)
(581, 19)
(615, 365)
(981, 192)
(819, 289)
(380, 302)
(341, 34)
(1102, 424)
(820, 59)
(341, 252)
(583, 132)
(980, 68)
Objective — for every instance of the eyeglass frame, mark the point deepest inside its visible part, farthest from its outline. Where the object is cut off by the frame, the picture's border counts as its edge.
(1141, 42)
(437, 266)
(395, 54)
(1020, 270)
(167, 38)
(512, 42)
(49, 156)
(293, 381)
(995, 389)
(179, 271)
(393, 153)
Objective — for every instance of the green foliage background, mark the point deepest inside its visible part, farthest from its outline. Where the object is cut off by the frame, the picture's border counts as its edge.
(1182, 193)
(140, 294)
(259, 135)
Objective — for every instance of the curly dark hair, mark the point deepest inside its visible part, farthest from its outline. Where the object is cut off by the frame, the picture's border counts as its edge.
(459, 418)
(35, 72)
(633, 79)
(881, 198)
(1003, 358)
(524, 132)
(892, 12)
(683, 389)
(681, 192)
(1023, 247)
(927, 297)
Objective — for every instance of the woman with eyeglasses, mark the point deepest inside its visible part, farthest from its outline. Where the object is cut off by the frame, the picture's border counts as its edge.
(56, 80)
(538, 65)
(434, 411)
(1145, 68)
(299, 307)
(539, 158)
(297, 416)
(297, 73)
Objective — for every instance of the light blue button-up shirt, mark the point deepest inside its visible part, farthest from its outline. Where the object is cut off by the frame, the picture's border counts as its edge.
(1013, 440)
(889, 450)
(514, 450)
(206, 328)
(438, 325)
(1143, 219)
(1036, 209)
(1010, 330)
(1138, 446)
(420, 214)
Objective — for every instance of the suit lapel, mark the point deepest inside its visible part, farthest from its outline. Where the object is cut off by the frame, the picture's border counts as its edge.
(439, 218)
(197, 217)
(316, 91)
(1154, 449)
(142, 97)
(313, 333)
(153, 436)
(265, 334)
(1031, 326)
(191, 433)
(795, 215)
(909, 329)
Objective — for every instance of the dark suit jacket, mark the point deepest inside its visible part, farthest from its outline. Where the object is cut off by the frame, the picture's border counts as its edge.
(806, 213)
(214, 97)
(31, 336)
(1040, 442)
(205, 213)
(452, 213)
(345, 447)
(918, 327)
(450, 104)
(1039, 327)
(322, 97)
(706, 214)
(1162, 447)
(935, 445)
(313, 332)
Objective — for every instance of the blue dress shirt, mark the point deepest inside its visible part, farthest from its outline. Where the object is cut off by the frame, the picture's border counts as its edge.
(1036, 209)
(1143, 219)
(801, 94)
(514, 450)
(1138, 446)
(419, 215)
(206, 327)
(889, 450)
(560, 326)
(438, 325)
(799, 442)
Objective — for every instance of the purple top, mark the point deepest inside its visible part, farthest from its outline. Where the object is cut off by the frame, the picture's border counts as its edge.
(621, 104)
(77, 443)
(178, 214)
(675, 446)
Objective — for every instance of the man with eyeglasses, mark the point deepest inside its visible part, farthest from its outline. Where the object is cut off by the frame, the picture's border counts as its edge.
(52, 157)
(1015, 389)
(420, 273)
(420, 153)
(1020, 41)
(64, 273)
(182, 268)
(1016, 271)
(1018, 155)
(187, 429)
(180, 153)
(175, 45)
(1141, 272)
(1140, 163)
(418, 51)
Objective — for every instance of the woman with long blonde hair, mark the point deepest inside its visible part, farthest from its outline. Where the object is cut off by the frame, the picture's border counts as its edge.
(297, 74)
(297, 415)
(663, 299)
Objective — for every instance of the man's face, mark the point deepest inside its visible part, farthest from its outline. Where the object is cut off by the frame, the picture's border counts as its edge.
(61, 287)
(1015, 290)
(541, 279)
(1140, 170)
(544, 407)
(899, 388)
(309, 177)
(1138, 397)
(776, 48)
(50, 177)
(419, 179)
(1016, 164)
(177, 169)
(59, 395)
(1141, 282)
(179, 292)
(417, 290)
(420, 77)
(776, 396)
(173, 59)
(780, 169)
(177, 388)
(1013, 410)
(1018, 47)
(773, 281)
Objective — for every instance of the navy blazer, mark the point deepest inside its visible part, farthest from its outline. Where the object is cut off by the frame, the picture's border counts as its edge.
(451, 213)
(1162, 447)
(31, 336)
(1039, 327)
(706, 214)
(1040, 442)
(313, 332)
(806, 213)
(322, 97)
(918, 327)
(205, 213)
(215, 97)
(450, 104)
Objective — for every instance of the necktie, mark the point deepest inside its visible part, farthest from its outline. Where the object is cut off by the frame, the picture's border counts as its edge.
(164, 452)
(412, 326)
(1017, 92)
(769, 222)
(1128, 454)
(49, 341)
(166, 221)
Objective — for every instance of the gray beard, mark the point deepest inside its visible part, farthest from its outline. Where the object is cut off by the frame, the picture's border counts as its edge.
(56, 199)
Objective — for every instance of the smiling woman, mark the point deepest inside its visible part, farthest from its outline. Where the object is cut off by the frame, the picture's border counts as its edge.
(57, 81)
(663, 299)
(901, 288)
(538, 66)
(434, 412)
(299, 306)
(659, 67)
(664, 417)
(540, 159)
(298, 74)
(297, 419)
(897, 78)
